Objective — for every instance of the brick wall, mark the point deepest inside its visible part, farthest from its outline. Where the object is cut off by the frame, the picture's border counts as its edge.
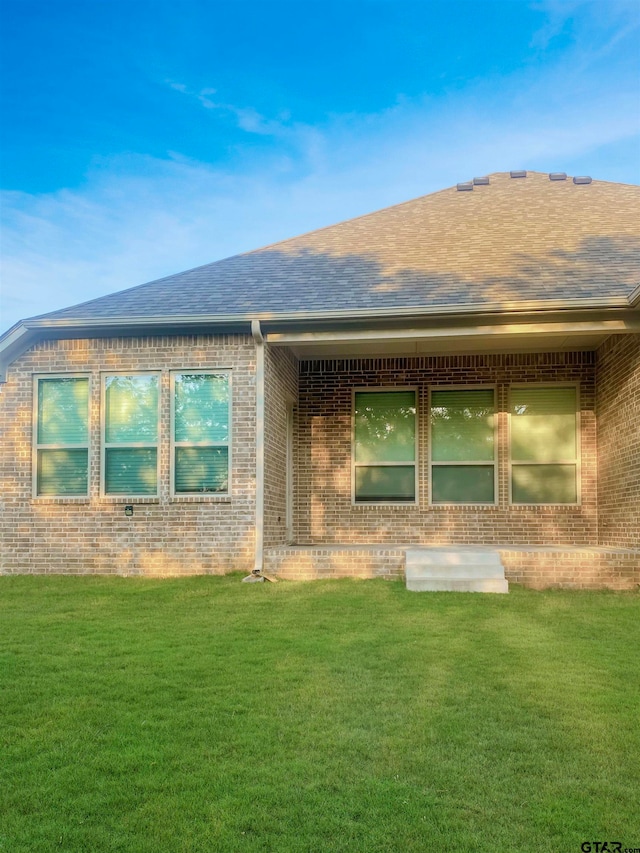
(281, 392)
(166, 535)
(618, 411)
(325, 513)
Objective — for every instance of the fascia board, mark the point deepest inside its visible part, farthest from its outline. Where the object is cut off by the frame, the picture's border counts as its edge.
(634, 297)
(341, 314)
(617, 326)
(17, 340)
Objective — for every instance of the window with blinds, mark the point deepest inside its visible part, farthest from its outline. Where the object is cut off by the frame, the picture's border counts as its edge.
(463, 446)
(544, 445)
(130, 435)
(384, 446)
(201, 433)
(62, 436)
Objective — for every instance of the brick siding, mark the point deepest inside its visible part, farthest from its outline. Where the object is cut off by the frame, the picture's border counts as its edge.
(325, 513)
(281, 392)
(165, 535)
(618, 413)
(537, 568)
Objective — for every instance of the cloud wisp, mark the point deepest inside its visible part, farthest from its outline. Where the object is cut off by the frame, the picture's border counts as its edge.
(137, 218)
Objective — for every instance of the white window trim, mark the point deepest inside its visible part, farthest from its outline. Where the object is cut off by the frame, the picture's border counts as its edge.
(385, 389)
(138, 444)
(35, 446)
(200, 371)
(489, 386)
(577, 461)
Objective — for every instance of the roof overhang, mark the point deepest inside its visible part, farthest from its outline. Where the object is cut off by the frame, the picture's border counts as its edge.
(484, 335)
(444, 329)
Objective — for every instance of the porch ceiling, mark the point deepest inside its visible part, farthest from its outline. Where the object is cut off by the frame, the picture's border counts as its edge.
(488, 337)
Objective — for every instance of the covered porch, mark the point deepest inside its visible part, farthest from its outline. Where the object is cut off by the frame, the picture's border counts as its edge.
(314, 524)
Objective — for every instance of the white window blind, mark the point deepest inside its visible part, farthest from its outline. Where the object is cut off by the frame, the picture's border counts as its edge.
(131, 435)
(62, 436)
(544, 445)
(201, 433)
(462, 446)
(384, 452)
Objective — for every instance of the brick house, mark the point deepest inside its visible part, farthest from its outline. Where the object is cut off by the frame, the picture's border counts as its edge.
(459, 370)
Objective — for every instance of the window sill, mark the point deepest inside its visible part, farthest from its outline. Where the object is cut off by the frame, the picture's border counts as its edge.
(385, 504)
(218, 499)
(61, 499)
(455, 505)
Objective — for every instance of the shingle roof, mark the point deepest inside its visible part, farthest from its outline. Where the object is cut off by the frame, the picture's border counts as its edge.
(514, 240)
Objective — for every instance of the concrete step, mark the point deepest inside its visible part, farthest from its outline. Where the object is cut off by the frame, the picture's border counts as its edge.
(454, 570)
(453, 556)
(457, 585)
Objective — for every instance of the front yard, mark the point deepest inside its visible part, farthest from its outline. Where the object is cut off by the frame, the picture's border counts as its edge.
(202, 714)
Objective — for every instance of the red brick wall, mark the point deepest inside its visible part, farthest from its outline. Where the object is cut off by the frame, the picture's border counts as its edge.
(618, 411)
(166, 535)
(324, 510)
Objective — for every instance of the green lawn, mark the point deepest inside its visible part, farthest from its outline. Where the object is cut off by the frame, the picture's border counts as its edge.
(203, 714)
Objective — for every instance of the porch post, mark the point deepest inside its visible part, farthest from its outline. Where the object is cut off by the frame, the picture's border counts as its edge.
(259, 339)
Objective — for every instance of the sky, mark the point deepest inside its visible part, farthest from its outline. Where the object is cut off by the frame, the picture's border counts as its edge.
(140, 138)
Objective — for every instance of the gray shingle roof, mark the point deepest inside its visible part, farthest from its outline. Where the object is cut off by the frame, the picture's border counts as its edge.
(514, 240)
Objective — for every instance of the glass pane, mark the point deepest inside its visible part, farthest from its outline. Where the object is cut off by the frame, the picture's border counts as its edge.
(202, 469)
(386, 483)
(130, 471)
(462, 425)
(131, 409)
(544, 484)
(201, 407)
(385, 426)
(63, 472)
(543, 424)
(462, 484)
(63, 411)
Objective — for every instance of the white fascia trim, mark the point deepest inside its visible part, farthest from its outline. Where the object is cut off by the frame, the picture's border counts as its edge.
(356, 336)
(634, 297)
(519, 307)
(16, 341)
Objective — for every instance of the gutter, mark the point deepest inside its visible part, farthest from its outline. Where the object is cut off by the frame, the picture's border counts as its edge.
(186, 320)
(259, 540)
(21, 336)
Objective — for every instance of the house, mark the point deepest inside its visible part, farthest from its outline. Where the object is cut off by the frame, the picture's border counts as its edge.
(459, 370)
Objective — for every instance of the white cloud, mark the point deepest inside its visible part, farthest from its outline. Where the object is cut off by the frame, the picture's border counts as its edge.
(140, 218)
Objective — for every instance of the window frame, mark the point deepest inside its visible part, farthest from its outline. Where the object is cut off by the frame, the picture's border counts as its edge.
(36, 446)
(196, 371)
(578, 458)
(489, 386)
(386, 389)
(103, 428)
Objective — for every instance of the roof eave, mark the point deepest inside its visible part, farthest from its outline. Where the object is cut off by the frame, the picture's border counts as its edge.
(25, 333)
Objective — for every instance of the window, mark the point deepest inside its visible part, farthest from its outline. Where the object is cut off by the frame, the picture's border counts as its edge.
(463, 447)
(61, 458)
(544, 445)
(201, 433)
(130, 445)
(384, 457)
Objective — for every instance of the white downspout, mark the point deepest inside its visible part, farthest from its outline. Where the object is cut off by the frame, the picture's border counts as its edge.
(259, 339)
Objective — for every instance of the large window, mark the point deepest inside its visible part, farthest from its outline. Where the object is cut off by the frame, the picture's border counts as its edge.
(201, 433)
(384, 446)
(463, 447)
(544, 445)
(130, 437)
(62, 436)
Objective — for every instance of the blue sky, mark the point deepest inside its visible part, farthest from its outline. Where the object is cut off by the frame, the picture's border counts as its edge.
(144, 137)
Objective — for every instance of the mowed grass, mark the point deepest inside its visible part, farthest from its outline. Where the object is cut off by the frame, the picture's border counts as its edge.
(205, 714)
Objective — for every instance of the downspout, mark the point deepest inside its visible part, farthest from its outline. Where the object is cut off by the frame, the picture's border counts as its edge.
(259, 542)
